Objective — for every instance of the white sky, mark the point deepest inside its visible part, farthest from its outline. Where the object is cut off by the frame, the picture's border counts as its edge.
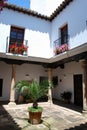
(52, 5)
(45, 6)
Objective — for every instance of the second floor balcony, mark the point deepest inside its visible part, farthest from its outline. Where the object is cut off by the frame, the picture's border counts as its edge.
(61, 45)
(17, 47)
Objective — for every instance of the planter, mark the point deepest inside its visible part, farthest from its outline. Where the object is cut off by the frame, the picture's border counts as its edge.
(20, 99)
(35, 115)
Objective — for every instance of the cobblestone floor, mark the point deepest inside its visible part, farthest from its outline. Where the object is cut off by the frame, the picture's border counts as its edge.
(54, 117)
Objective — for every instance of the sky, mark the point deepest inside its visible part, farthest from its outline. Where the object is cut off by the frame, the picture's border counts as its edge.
(41, 6)
(22, 3)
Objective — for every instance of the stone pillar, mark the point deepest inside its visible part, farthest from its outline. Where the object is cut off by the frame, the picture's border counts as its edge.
(84, 65)
(50, 85)
(12, 90)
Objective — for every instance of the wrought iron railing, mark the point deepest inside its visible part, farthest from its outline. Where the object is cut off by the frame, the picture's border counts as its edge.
(18, 45)
(62, 40)
(61, 45)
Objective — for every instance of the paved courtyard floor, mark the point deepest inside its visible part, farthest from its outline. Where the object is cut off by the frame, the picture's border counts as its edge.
(55, 117)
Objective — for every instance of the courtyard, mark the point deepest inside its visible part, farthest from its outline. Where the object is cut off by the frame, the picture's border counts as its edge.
(56, 116)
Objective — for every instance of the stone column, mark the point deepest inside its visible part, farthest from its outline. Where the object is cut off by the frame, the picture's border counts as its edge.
(84, 65)
(50, 85)
(12, 90)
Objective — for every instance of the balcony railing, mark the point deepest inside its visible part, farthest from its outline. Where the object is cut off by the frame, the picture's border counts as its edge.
(17, 47)
(62, 40)
(61, 44)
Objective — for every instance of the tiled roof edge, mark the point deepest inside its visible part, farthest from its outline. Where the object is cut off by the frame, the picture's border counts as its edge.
(60, 8)
(36, 14)
(26, 11)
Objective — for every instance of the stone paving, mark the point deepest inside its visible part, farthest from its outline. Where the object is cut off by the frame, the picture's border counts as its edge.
(54, 117)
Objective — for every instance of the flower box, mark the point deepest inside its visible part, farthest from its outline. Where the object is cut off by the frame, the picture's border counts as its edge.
(15, 49)
(61, 49)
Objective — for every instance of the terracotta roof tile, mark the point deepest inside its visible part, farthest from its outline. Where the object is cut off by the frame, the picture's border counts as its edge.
(36, 14)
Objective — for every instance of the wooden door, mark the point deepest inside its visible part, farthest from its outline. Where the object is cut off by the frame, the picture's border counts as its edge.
(64, 34)
(78, 94)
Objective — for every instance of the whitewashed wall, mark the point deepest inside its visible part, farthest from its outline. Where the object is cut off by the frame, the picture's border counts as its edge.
(34, 72)
(75, 16)
(65, 78)
(37, 32)
(5, 74)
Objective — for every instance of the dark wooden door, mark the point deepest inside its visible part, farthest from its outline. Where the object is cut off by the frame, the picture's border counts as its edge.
(64, 34)
(1, 85)
(78, 94)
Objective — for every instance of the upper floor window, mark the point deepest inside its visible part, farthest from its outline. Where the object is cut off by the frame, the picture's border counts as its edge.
(64, 34)
(16, 35)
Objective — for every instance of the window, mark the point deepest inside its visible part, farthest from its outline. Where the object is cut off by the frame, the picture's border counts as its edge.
(16, 35)
(1, 85)
(64, 34)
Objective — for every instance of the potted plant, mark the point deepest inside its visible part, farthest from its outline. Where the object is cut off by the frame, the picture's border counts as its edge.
(37, 91)
(33, 91)
(66, 96)
(23, 89)
(2, 4)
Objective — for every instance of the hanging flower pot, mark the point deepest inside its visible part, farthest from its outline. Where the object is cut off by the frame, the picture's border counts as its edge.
(2, 4)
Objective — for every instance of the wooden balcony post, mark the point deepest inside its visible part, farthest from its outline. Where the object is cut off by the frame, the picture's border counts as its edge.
(84, 65)
(12, 90)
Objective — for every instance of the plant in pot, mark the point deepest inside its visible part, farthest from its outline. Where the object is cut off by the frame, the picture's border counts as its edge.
(22, 87)
(66, 96)
(33, 91)
(36, 91)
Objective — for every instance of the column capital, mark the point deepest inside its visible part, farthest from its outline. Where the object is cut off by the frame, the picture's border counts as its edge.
(84, 63)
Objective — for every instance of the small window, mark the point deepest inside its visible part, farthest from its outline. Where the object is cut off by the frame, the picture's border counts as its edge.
(1, 85)
(55, 81)
(42, 78)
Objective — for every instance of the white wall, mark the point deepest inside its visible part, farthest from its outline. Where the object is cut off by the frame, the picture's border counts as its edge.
(34, 72)
(75, 16)
(5, 74)
(37, 32)
(65, 78)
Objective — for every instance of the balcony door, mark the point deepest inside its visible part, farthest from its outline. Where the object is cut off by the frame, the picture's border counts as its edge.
(16, 36)
(64, 34)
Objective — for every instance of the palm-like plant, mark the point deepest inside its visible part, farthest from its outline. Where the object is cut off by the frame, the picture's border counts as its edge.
(34, 91)
(37, 91)
(23, 88)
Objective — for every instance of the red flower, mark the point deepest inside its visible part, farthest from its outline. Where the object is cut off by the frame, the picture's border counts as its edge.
(14, 48)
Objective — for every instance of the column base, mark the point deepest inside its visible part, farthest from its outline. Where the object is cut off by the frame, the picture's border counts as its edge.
(84, 112)
(50, 101)
(12, 104)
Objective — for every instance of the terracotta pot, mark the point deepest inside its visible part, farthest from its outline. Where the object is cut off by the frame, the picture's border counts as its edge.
(35, 117)
(20, 99)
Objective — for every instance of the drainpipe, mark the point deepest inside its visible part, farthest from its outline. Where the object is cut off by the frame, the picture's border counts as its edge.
(12, 90)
